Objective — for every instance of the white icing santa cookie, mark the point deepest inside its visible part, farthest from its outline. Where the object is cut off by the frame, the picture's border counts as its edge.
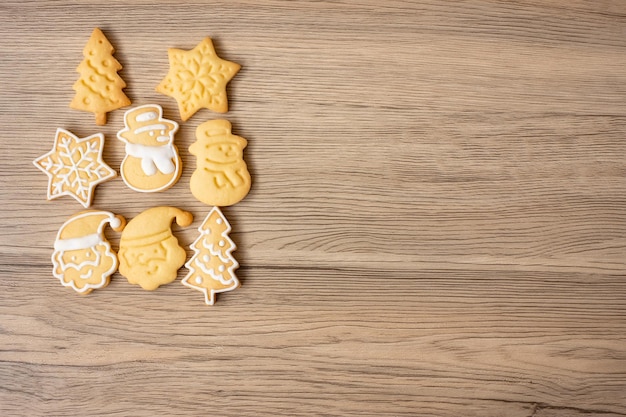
(152, 162)
(82, 258)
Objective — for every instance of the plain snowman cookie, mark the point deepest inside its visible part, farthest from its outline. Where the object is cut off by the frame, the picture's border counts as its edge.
(152, 162)
(221, 177)
(83, 259)
(149, 254)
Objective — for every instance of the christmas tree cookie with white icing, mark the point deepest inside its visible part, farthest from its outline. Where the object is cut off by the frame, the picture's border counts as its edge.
(212, 267)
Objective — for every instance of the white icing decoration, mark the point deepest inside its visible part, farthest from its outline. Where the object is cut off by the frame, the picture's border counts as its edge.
(163, 158)
(221, 243)
(65, 266)
(149, 127)
(221, 268)
(219, 221)
(216, 252)
(75, 243)
(146, 116)
(87, 275)
(193, 262)
(198, 280)
(94, 239)
(115, 222)
(154, 158)
(71, 163)
(211, 272)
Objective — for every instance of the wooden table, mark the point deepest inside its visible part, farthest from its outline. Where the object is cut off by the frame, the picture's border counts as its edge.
(437, 223)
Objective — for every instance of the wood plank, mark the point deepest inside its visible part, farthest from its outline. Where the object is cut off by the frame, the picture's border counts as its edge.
(436, 226)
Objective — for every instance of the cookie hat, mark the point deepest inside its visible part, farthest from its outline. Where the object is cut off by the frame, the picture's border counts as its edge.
(86, 230)
(145, 119)
(153, 226)
(219, 128)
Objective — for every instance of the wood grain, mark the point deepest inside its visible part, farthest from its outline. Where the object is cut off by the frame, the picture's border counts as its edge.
(436, 227)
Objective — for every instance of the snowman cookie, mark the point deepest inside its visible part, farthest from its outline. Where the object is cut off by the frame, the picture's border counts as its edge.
(152, 162)
(221, 177)
(83, 259)
(149, 254)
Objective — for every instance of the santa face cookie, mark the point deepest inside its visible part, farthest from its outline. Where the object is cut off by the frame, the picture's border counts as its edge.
(212, 267)
(152, 162)
(149, 253)
(74, 166)
(221, 177)
(82, 258)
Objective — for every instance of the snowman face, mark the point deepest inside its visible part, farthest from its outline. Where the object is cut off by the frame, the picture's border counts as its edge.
(153, 135)
(89, 264)
(223, 152)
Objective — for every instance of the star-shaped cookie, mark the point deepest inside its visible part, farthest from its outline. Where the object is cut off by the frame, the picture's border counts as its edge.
(74, 166)
(197, 79)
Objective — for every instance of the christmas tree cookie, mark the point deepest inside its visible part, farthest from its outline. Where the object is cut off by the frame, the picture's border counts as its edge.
(74, 166)
(99, 88)
(83, 259)
(149, 254)
(197, 79)
(221, 177)
(212, 267)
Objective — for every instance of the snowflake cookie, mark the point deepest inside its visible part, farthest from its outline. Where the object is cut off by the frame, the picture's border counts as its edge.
(212, 267)
(74, 166)
(197, 79)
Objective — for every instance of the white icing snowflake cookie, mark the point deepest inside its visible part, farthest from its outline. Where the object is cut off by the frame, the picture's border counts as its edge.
(74, 166)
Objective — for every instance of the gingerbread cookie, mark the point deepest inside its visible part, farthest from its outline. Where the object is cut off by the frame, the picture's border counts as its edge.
(82, 258)
(74, 166)
(149, 254)
(221, 177)
(197, 79)
(152, 162)
(212, 267)
(99, 88)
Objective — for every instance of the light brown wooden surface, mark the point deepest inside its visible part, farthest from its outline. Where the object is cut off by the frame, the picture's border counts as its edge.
(437, 223)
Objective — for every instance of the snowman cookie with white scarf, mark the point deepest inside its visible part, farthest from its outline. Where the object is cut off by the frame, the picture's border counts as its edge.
(152, 162)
